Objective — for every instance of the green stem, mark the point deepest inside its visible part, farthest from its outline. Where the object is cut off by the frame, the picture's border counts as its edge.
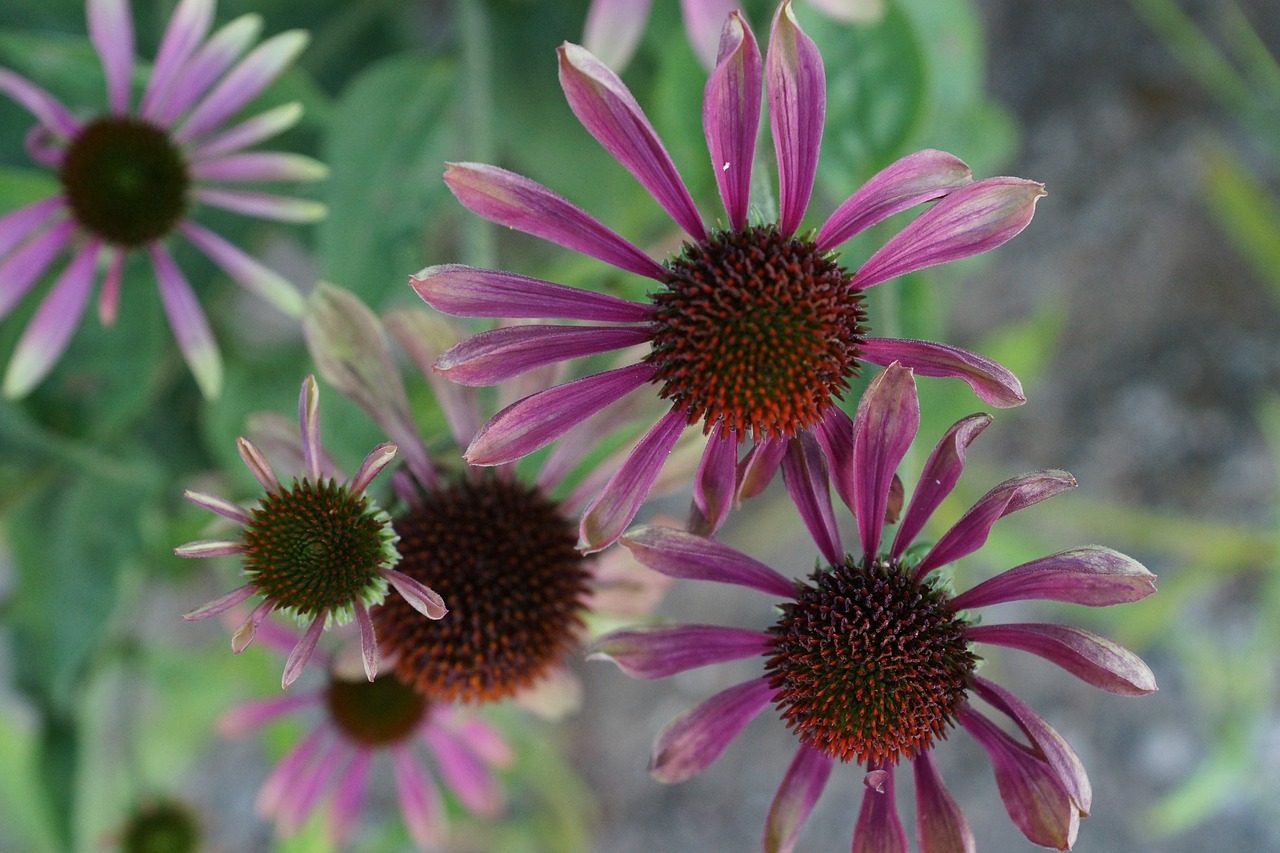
(479, 244)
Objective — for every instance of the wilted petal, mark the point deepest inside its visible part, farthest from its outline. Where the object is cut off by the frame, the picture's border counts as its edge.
(210, 548)
(731, 116)
(678, 554)
(697, 737)
(188, 323)
(419, 596)
(1084, 654)
(368, 644)
(377, 459)
(111, 31)
(657, 651)
(992, 382)
(797, 106)
(879, 829)
(471, 292)
(221, 506)
(613, 29)
(221, 603)
(245, 632)
(805, 476)
(940, 825)
(491, 357)
(1093, 575)
(884, 425)
(939, 476)
(302, 651)
(802, 785)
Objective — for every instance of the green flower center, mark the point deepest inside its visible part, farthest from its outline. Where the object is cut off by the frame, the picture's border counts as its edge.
(125, 181)
(163, 827)
(503, 557)
(868, 664)
(756, 333)
(375, 713)
(317, 548)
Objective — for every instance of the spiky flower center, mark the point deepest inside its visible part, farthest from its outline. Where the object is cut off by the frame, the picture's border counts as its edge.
(503, 556)
(125, 180)
(317, 548)
(756, 333)
(869, 664)
(163, 827)
(375, 713)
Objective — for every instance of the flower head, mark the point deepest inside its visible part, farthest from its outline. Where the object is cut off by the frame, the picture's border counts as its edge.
(755, 329)
(872, 659)
(129, 178)
(318, 550)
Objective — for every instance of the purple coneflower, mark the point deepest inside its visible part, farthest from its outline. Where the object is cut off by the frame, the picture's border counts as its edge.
(754, 330)
(318, 550)
(362, 719)
(130, 177)
(871, 659)
(494, 543)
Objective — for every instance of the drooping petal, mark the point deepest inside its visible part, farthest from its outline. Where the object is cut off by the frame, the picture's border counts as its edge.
(800, 788)
(731, 116)
(45, 107)
(206, 65)
(884, 425)
(609, 112)
(210, 548)
(758, 466)
(797, 107)
(221, 506)
(348, 798)
(247, 630)
(657, 651)
(257, 464)
(696, 738)
(255, 714)
(835, 435)
(879, 829)
(490, 357)
(17, 225)
(111, 31)
(419, 596)
(1092, 575)
(253, 74)
(187, 28)
(464, 773)
(517, 202)
(939, 476)
(940, 825)
(377, 459)
(713, 486)
(541, 418)
(302, 651)
(263, 205)
(969, 221)
(249, 132)
(21, 269)
(1082, 653)
(221, 603)
(678, 554)
(187, 322)
(968, 534)
(617, 504)
(368, 644)
(419, 800)
(917, 178)
(805, 476)
(471, 292)
(613, 29)
(992, 382)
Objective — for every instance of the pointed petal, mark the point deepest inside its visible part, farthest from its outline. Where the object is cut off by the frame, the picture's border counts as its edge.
(939, 476)
(613, 29)
(259, 166)
(608, 111)
(696, 738)
(309, 427)
(253, 74)
(657, 651)
(21, 269)
(249, 273)
(302, 651)
(917, 178)
(704, 21)
(249, 132)
(188, 26)
(805, 476)
(731, 116)
(377, 459)
(541, 418)
(368, 644)
(424, 336)
(940, 825)
(188, 323)
(992, 382)
(617, 504)
(969, 221)
(419, 800)
(1084, 654)
(206, 65)
(221, 506)
(17, 225)
(111, 31)
(879, 829)
(348, 799)
(210, 548)
(1093, 576)
(886, 421)
(491, 357)
(470, 292)
(255, 714)
(713, 486)
(257, 464)
(290, 773)
(221, 603)
(678, 554)
(420, 597)
(464, 774)
(800, 788)
(263, 205)
(797, 105)
(835, 436)
(517, 202)
(47, 335)
(758, 467)
(45, 107)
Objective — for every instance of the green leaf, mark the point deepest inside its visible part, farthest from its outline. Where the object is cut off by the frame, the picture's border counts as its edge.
(1246, 213)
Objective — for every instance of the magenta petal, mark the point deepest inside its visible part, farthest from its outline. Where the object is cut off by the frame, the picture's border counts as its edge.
(221, 603)
(471, 292)
(886, 421)
(257, 713)
(419, 799)
(704, 22)
(499, 354)
(257, 464)
(938, 477)
(17, 225)
(608, 111)
(187, 28)
(46, 108)
(940, 825)
(420, 597)
(879, 829)
(309, 427)
(195, 74)
(678, 554)
(249, 132)
(1084, 654)
(111, 31)
(731, 116)
(968, 534)
(758, 466)
(914, 179)
(1093, 575)
(221, 506)
(613, 29)
(368, 644)
(835, 435)
(517, 202)
(195, 340)
(541, 418)
(713, 486)
(993, 383)
(617, 504)
(21, 269)
(797, 106)
(463, 773)
(696, 738)
(657, 651)
(800, 788)
(302, 651)
(969, 221)
(805, 475)
(348, 798)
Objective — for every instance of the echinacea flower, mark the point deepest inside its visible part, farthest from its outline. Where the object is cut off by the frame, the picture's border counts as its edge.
(494, 543)
(317, 550)
(872, 659)
(754, 330)
(362, 720)
(129, 178)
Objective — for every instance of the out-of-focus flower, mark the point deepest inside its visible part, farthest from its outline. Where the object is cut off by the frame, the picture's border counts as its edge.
(754, 330)
(495, 544)
(871, 659)
(159, 825)
(129, 178)
(317, 550)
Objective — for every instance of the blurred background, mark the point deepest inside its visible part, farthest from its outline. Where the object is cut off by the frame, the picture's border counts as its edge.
(1139, 309)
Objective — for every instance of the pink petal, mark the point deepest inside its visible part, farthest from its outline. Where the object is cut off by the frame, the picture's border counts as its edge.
(309, 427)
(377, 459)
(45, 107)
(259, 166)
(300, 799)
(210, 548)
(249, 273)
(253, 74)
(21, 269)
(253, 715)
(940, 825)
(187, 28)
(758, 466)
(109, 295)
(797, 105)
(244, 634)
(613, 29)
(249, 132)
(424, 336)
(939, 476)
(805, 476)
(879, 829)
(188, 323)
(221, 603)
(368, 644)
(419, 596)
(1093, 576)
(608, 111)
(731, 116)
(257, 464)
(657, 651)
(464, 774)
(704, 20)
(262, 205)
(302, 651)
(713, 486)
(517, 202)
(499, 354)
(348, 799)
(290, 774)
(471, 292)
(221, 506)
(202, 68)
(111, 31)
(1084, 654)
(419, 800)
(17, 225)
(696, 738)
(678, 554)
(796, 796)
(993, 383)
(886, 421)
(835, 436)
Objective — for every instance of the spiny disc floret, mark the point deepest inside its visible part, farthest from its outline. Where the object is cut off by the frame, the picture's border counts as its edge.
(375, 713)
(125, 180)
(756, 332)
(869, 664)
(504, 557)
